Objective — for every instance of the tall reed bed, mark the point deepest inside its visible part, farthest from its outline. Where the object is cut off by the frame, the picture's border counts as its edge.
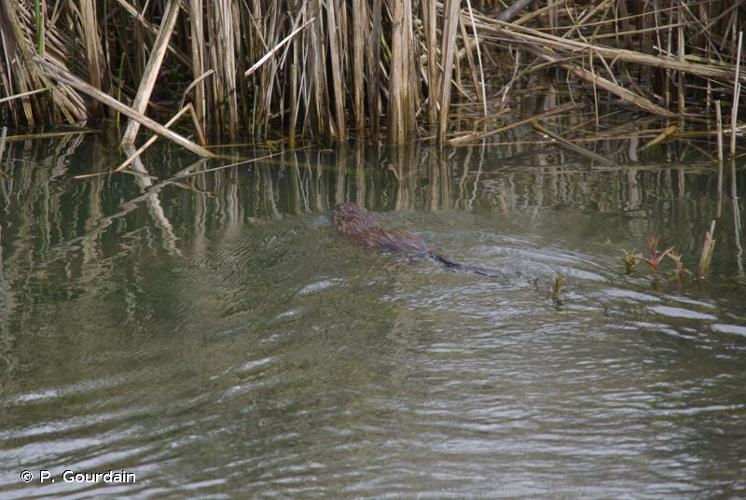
(265, 69)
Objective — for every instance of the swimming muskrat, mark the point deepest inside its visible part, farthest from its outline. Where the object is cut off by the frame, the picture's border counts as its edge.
(364, 229)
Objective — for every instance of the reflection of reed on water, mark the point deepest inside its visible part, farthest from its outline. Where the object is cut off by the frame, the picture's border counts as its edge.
(49, 220)
(298, 182)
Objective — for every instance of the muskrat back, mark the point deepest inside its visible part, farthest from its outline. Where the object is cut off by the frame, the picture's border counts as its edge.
(350, 219)
(364, 229)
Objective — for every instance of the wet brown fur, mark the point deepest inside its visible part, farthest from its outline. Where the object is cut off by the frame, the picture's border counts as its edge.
(364, 229)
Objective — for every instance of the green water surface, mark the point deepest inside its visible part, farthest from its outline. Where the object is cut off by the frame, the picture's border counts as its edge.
(214, 337)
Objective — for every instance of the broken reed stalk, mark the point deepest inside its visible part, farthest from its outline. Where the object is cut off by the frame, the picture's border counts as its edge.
(194, 85)
(142, 21)
(149, 142)
(660, 137)
(474, 136)
(133, 155)
(266, 57)
(535, 38)
(197, 126)
(22, 94)
(48, 135)
(150, 75)
(230, 165)
(708, 247)
(570, 146)
(106, 99)
(607, 85)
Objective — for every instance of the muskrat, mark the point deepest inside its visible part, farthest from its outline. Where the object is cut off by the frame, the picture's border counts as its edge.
(364, 229)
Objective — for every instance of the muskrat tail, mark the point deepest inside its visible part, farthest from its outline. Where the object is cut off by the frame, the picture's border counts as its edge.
(462, 267)
(448, 263)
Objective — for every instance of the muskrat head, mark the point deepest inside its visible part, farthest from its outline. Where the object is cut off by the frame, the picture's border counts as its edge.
(350, 219)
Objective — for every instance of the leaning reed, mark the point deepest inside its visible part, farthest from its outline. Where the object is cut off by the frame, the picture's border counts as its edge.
(324, 68)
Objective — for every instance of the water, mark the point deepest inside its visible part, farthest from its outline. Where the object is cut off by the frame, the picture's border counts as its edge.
(215, 338)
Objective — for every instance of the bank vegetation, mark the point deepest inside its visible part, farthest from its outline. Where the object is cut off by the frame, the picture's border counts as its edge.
(448, 71)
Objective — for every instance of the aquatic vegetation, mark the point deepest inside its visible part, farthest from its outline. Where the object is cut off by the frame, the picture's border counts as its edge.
(654, 257)
(681, 274)
(559, 280)
(631, 259)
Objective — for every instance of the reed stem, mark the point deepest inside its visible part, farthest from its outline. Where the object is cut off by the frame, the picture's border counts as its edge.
(424, 68)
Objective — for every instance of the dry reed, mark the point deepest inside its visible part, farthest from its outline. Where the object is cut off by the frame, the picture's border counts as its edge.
(315, 68)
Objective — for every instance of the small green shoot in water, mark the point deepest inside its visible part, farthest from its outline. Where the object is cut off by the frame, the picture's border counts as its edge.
(631, 260)
(557, 289)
